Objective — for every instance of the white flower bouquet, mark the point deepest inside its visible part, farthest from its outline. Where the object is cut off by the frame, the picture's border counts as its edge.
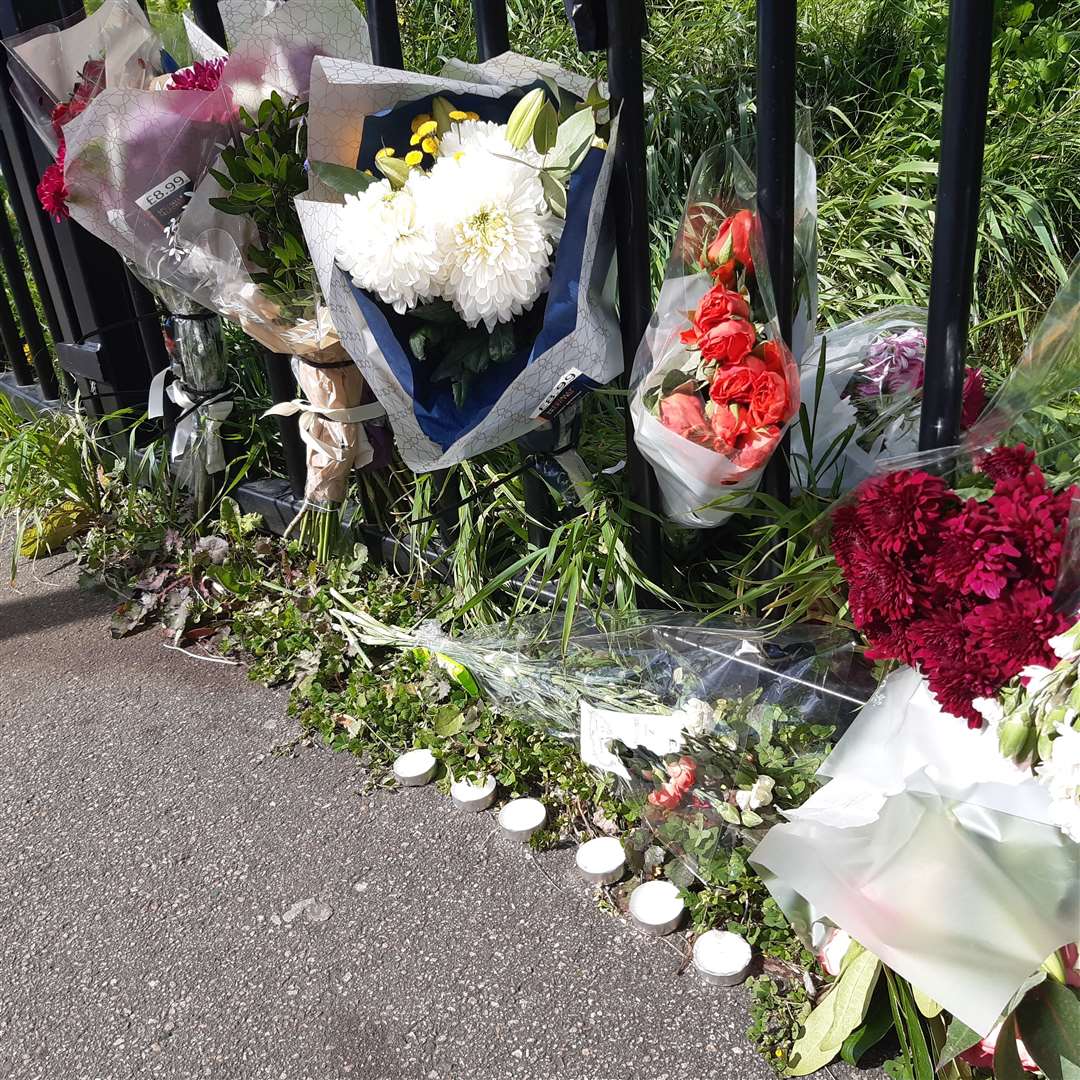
(456, 225)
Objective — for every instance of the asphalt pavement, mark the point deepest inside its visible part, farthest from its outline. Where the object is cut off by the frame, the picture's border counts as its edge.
(187, 892)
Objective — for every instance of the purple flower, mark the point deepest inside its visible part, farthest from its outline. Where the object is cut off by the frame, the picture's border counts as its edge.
(894, 363)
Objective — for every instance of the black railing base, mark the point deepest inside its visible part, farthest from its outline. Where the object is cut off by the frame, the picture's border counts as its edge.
(28, 400)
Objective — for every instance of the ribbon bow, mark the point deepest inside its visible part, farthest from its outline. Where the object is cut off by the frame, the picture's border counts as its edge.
(198, 417)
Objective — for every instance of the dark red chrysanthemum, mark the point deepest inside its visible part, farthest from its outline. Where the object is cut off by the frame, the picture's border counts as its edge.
(881, 588)
(52, 191)
(939, 637)
(202, 75)
(976, 555)
(1033, 517)
(1007, 463)
(956, 687)
(903, 509)
(1010, 633)
(846, 535)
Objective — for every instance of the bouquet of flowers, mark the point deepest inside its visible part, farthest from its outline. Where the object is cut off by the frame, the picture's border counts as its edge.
(456, 227)
(714, 387)
(862, 387)
(193, 178)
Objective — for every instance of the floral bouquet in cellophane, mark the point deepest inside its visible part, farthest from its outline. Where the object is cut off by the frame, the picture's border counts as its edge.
(457, 226)
(192, 180)
(947, 841)
(862, 388)
(714, 386)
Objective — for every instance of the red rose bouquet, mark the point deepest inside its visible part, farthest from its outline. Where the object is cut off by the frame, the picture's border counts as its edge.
(714, 385)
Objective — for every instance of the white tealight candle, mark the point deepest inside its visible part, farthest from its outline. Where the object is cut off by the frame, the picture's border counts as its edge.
(520, 818)
(656, 907)
(415, 768)
(601, 860)
(473, 797)
(722, 958)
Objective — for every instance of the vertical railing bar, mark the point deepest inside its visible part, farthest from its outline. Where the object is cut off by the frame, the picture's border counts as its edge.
(492, 30)
(12, 342)
(776, 37)
(206, 14)
(385, 33)
(24, 305)
(626, 27)
(282, 385)
(956, 221)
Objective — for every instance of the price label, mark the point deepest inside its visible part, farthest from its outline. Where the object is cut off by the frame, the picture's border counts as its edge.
(165, 200)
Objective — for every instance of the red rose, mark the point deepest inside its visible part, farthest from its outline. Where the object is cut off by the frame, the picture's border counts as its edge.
(733, 241)
(756, 449)
(728, 341)
(728, 426)
(774, 355)
(769, 402)
(665, 799)
(732, 385)
(724, 274)
(684, 413)
(682, 775)
(717, 305)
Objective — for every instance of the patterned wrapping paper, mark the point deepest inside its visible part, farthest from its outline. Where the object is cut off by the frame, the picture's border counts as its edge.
(137, 170)
(342, 95)
(238, 16)
(45, 62)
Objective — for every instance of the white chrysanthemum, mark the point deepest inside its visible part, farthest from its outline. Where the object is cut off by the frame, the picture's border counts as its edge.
(496, 235)
(388, 242)
(478, 137)
(1061, 775)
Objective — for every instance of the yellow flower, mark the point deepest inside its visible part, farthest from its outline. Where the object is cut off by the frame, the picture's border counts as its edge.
(457, 115)
(429, 127)
(418, 121)
(431, 146)
(385, 152)
(413, 158)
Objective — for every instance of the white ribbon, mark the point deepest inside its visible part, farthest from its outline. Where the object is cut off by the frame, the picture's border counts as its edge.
(357, 414)
(187, 431)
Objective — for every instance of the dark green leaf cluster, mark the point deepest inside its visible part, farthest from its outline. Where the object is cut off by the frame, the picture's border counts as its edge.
(263, 174)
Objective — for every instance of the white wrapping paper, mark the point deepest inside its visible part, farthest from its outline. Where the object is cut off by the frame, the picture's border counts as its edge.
(342, 95)
(932, 851)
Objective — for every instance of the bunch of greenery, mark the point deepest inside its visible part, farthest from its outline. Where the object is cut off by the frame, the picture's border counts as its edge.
(264, 172)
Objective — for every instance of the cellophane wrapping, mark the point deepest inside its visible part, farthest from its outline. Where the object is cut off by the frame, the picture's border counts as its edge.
(432, 431)
(697, 483)
(47, 61)
(850, 427)
(932, 851)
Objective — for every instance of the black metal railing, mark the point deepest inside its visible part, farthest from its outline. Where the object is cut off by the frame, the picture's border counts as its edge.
(83, 286)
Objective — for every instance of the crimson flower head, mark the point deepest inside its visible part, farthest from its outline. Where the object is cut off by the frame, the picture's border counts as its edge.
(1007, 463)
(52, 192)
(974, 397)
(904, 508)
(733, 241)
(202, 75)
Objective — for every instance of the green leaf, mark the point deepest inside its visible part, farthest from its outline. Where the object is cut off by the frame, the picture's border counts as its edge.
(877, 1024)
(751, 820)
(924, 1003)
(852, 991)
(809, 1052)
(554, 192)
(448, 722)
(340, 178)
(1049, 1021)
(440, 113)
(394, 169)
(1006, 1054)
(546, 129)
(575, 139)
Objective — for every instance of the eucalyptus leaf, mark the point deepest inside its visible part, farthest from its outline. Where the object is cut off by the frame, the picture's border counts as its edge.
(554, 192)
(575, 138)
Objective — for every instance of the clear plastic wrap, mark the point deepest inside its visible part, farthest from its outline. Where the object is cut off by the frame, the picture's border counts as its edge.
(862, 390)
(700, 462)
(565, 345)
(931, 850)
(115, 47)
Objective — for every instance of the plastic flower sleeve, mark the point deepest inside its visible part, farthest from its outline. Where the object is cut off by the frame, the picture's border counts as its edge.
(931, 850)
(859, 387)
(114, 47)
(713, 387)
(564, 345)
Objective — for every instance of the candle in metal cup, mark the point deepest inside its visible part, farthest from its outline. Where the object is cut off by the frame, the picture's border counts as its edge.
(722, 958)
(520, 818)
(656, 907)
(415, 768)
(473, 797)
(601, 860)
